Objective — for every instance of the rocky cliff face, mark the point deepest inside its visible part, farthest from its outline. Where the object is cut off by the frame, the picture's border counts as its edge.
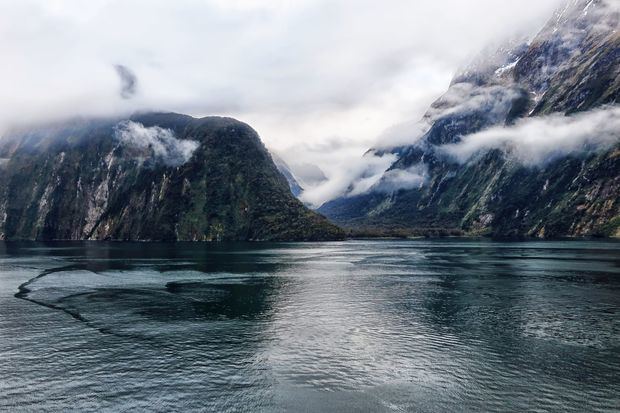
(570, 68)
(151, 177)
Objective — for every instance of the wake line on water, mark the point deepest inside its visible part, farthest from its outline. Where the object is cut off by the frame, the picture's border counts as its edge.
(24, 291)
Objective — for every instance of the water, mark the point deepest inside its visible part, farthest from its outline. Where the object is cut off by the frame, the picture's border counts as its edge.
(452, 325)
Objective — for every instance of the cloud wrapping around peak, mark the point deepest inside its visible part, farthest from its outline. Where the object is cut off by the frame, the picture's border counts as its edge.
(163, 146)
(398, 179)
(491, 102)
(537, 141)
(300, 72)
(494, 101)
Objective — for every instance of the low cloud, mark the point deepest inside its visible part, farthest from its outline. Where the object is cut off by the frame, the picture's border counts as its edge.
(164, 147)
(406, 133)
(368, 174)
(492, 103)
(536, 141)
(398, 179)
(353, 177)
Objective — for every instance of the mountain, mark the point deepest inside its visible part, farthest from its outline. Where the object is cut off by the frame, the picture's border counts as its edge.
(156, 176)
(285, 170)
(490, 160)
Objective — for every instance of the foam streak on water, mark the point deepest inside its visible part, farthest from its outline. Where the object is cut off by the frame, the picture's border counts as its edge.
(454, 325)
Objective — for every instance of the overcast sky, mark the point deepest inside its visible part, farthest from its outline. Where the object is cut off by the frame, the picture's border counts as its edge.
(320, 80)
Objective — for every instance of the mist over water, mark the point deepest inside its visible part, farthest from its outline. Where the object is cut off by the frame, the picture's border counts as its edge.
(446, 325)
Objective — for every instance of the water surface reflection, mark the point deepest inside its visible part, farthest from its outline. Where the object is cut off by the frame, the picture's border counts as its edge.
(446, 325)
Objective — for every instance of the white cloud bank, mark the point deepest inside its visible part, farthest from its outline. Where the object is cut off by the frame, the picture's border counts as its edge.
(295, 70)
(536, 141)
(300, 72)
(161, 143)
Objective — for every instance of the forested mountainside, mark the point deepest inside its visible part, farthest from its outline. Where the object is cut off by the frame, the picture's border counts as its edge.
(156, 176)
(524, 143)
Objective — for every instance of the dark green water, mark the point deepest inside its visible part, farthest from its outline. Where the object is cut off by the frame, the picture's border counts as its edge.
(429, 326)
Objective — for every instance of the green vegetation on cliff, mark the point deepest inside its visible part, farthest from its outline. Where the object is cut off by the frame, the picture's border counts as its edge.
(154, 177)
(571, 68)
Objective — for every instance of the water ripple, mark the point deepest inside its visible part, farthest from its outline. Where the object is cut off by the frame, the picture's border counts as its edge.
(378, 326)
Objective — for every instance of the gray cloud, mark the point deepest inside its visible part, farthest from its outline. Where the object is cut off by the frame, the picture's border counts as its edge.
(535, 141)
(129, 81)
(161, 144)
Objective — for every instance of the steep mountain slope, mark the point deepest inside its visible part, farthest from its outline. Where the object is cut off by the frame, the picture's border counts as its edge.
(572, 66)
(152, 177)
(286, 172)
